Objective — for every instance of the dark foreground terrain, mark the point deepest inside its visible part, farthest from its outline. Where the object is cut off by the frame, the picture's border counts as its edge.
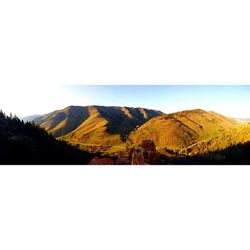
(26, 143)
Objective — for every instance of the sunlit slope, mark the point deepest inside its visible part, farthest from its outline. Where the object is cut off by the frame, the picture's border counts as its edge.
(95, 124)
(182, 129)
(61, 122)
(227, 139)
(93, 130)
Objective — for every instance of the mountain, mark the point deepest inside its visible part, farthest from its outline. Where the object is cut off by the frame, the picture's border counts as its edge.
(177, 130)
(25, 143)
(95, 125)
(242, 120)
(230, 147)
(187, 137)
(230, 138)
(29, 118)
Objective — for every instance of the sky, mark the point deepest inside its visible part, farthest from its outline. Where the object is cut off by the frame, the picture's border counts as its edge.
(230, 100)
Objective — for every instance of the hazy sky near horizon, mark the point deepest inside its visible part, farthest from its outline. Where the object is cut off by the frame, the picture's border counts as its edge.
(230, 100)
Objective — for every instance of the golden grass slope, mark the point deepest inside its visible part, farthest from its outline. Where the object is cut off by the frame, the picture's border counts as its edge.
(232, 137)
(95, 125)
(181, 129)
(61, 122)
(92, 131)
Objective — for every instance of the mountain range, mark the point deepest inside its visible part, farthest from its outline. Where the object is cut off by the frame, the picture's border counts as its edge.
(111, 130)
(95, 125)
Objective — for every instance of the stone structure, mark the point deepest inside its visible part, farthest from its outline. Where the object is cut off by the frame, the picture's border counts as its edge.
(137, 157)
(101, 161)
(151, 156)
(148, 145)
(145, 154)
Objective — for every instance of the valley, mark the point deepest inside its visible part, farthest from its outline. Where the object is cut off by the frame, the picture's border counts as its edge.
(111, 132)
(95, 128)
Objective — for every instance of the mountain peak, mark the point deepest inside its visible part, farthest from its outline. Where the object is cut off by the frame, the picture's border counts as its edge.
(95, 124)
(183, 128)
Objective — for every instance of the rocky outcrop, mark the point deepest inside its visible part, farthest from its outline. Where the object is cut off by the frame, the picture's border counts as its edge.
(148, 145)
(102, 161)
(138, 157)
(145, 154)
(151, 156)
(123, 159)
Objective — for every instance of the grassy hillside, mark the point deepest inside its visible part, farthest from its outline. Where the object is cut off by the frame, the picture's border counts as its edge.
(233, 137)
(26, 143)
(61, 122)
(181, 129)
(95, 125)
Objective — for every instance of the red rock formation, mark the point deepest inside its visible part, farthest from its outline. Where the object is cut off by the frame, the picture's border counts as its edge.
(151, 156)
(137, 157)
(102, 161)
(144, 155)
(122, 159)
(148, 145)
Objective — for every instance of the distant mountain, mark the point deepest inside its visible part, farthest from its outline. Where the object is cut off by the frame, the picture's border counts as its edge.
(98, 125)
(178, 130)
(25, 143)
(242, 120)
(29, 118)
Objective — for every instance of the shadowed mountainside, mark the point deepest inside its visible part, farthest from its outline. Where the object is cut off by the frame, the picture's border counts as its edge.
(178, 130)
(26, 143)
(95, 124)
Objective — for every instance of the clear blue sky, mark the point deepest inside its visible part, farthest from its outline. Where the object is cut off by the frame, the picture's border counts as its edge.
(230, 100)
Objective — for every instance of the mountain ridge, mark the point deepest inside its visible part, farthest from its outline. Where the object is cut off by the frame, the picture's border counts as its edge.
(184, 137)
(181, 129)
(231, 137)
(95, 124)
